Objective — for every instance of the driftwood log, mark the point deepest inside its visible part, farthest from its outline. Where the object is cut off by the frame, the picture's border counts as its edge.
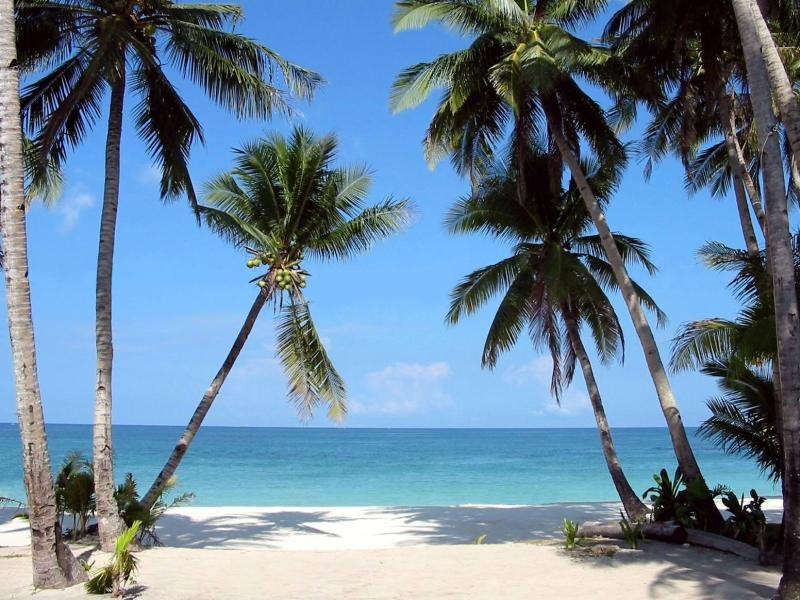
(663, 532)
(674, 534)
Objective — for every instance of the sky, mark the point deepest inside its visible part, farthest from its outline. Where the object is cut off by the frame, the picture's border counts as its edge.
(181, 294)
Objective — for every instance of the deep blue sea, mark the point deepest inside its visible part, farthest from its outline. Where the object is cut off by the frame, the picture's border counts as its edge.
(386, 467)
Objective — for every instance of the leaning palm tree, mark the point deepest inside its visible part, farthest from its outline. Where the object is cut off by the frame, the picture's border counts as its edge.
(554, 284)
(90, 47)
(521, 71)
(54, 566)
(284, 201)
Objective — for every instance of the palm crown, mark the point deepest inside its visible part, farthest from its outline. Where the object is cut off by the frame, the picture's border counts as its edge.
(285, 200)
(557, 270)
(88, 46)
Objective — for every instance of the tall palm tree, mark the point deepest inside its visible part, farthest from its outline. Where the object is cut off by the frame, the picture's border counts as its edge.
(285, 200)
(554, 284)
(89, 47)
(520, 72)
(781, 258)
(54, 566)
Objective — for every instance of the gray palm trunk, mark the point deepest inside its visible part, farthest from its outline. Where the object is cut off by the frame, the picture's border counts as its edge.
(669, 405)
(634, 507)
(743, 185)
(54, 566)
(781, 259)
(202, 409)
(109, 523)
(782, 90)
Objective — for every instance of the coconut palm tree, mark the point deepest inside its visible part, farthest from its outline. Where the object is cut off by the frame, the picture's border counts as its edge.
(782, 267)
(743, 419)
(89, 47)
(54, 566)
(554, 284)
(520, 72)
(283, 201)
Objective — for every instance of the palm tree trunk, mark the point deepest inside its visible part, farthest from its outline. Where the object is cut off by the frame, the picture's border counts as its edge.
(109, 523)
(205, 404)
(741, 177)
(781, 259)
(634, 507)
(669, 406)
(782, 90)
(54, 566)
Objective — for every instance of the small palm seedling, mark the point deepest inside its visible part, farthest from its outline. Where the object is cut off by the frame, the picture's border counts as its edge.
(480, 540)
(120, 569)
(631, 530)
(571, 539)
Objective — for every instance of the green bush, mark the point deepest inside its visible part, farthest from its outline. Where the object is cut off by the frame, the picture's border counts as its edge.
(570, 529)
(120, 569)
(631, 530)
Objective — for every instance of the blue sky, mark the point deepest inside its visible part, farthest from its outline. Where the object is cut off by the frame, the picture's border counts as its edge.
(180, 294)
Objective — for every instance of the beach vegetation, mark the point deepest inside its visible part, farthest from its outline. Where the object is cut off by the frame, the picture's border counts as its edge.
(121, 568)
(133, 511)
(288, 206)
(480, 540)
(747, 521)
(570, 530)
(631, 530)
(75, 492)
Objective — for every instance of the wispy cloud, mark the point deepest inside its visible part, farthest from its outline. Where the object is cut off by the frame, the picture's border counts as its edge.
(71, 206)
(538, 372)
(404, 388)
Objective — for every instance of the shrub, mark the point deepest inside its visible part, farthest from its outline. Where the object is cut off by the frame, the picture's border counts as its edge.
(570, 529)
(631, 530)
(120, 569)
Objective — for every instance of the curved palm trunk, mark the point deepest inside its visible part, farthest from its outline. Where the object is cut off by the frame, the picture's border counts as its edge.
(779, 249)
(54, 566)
(205, 404)
(109, 523)
(669, 406)
(782, 91)
(634, 507)
(741, 177)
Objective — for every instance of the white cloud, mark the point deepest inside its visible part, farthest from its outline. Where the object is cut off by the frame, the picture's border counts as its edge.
(404, 388)
(149, 175)
(71, 206)
(539, 371)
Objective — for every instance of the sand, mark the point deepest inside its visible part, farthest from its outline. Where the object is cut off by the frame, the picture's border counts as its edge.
(423, 552)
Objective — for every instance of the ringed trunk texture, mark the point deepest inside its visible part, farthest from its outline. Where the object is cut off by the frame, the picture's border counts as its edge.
(205, 404)
(779, 249)
(669, 406)
(782, 92)
(109, 523)
(634, 507)
(54, 566)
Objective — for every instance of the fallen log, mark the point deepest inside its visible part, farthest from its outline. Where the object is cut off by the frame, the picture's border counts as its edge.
(722, 543)
(663, 532)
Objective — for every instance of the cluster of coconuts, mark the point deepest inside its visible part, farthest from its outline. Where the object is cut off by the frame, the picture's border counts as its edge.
(285, 276)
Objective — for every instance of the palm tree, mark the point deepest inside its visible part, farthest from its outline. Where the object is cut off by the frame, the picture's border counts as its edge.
(54, 566)
(553, 284)
(89, 47)
(743, 419)
(520, 72)
(787, 326)
(285, 200)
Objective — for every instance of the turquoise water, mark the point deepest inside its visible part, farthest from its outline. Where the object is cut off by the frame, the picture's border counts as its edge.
(385, 467)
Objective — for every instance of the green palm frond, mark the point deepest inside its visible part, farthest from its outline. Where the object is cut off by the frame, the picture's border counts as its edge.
(313, 380)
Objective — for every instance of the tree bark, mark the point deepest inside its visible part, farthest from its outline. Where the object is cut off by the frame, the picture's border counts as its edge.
(782, 90)
(669, 406)
(109, 523)
(54, 566)
(741, 177)
(205, 404)
(634, 507)
(779, 249)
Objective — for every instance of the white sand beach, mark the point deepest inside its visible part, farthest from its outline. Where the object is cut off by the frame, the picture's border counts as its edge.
(421, 552)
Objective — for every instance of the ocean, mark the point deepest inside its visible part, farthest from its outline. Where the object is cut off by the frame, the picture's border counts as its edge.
(244, 466)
